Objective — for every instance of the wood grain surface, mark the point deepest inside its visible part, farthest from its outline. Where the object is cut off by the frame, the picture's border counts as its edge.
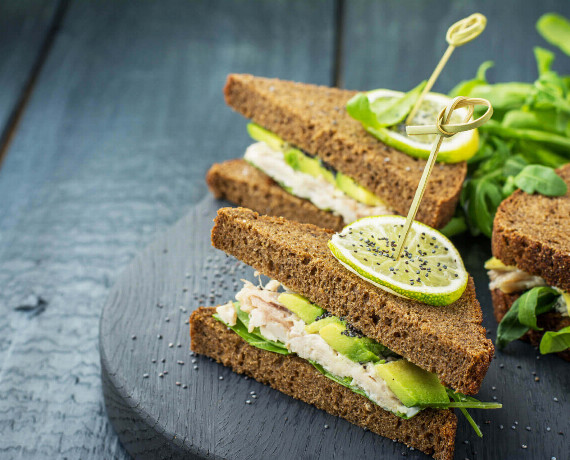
(166, 402)
(125, 117)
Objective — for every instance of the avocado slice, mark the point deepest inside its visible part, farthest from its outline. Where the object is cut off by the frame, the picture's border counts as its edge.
(315, 327)
(302, 163)
(495, 264)
(262, 135)
(412, 385)
(301, 306)
(355, 191)
(354, 348)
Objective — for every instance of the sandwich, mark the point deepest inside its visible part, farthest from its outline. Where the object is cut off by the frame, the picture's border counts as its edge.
(314, 163)
(322, 334)
(530, 270)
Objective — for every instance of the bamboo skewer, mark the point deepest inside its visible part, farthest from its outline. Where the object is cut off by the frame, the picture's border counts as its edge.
(443, 129)
(458, 34)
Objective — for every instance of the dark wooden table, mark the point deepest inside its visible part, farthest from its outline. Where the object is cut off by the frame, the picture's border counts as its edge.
(111, 113)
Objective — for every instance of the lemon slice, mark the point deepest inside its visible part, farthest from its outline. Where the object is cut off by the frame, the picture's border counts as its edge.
(458, 148)
(429, 269)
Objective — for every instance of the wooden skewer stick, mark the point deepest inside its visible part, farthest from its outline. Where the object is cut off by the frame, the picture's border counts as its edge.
(458, 34)
(443, 129)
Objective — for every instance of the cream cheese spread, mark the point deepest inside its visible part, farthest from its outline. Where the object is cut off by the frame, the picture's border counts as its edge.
(317, 190)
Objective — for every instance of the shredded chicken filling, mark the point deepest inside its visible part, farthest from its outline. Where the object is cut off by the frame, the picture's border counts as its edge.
(317, 190)
(277, 323)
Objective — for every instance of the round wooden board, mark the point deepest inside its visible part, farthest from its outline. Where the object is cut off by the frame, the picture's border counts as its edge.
(166, 403)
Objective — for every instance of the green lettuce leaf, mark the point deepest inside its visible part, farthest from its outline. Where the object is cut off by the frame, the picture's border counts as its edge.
(540, 179)
(522, 315)
(555, 29)
(382, 112)
(255, 340)
(554, 342)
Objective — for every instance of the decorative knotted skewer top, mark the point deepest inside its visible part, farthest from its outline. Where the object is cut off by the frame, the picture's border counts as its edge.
(458, 34)
(443, 129)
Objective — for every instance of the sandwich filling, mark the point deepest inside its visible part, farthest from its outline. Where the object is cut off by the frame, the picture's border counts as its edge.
(278, 324)
(309, 178)
(510, 279)
(273, 319)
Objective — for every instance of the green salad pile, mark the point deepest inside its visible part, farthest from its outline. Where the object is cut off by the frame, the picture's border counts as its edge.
(527, 138)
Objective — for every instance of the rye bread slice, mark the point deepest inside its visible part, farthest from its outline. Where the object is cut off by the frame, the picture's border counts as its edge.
(314, 119)
(239, 182)
(431, 431)
(449, 341)
(551, 321)
(532, 232)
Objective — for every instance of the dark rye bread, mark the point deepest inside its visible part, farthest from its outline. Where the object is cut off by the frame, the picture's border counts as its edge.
(551, 321)
(314, 119)
(239, 182)
(533, 233)
(449, 341)
(431, 431)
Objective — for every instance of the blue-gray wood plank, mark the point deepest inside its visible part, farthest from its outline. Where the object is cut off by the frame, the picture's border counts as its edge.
(125, 118)
(113, 147)
(397, 43)
(25, 26)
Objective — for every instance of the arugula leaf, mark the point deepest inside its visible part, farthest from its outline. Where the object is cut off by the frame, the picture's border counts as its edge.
(510, 327)
(535, 302)
(541, 179)
(515, 324)
(465, 87)
(555, 29)
(358, 107)
(382, 112)
(466, 414)
(345, 382)
(455, 226)
(553, 342)
(544, 59)
(253, 339)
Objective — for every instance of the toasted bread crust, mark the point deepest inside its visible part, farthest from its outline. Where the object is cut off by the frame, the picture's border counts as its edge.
(533, 233)
(431, 431)
(314, 119)
(449, 341)
(241, 183)
(551, 321)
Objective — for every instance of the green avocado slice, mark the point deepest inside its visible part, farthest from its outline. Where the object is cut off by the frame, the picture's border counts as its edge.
(355, 191)
(354, 348)
(412, 385)
(301, 306)
(262, 135)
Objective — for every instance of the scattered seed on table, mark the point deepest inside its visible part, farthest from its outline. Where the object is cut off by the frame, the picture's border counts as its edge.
(248, 401)
(326, 427)
(524, 446)
(163, 360)
(154, 360)
(170, 345)
(180, 362)
(165, 372)
(555, 399)
(196, 367)
(178, 384)
(184, 386)
(159, 337)
(537, 379)
(527, 428)
(134, 337)
(254, 396)
(547, 428)
(194, 361)
(161, 375)
(145, 376)
(221, 377)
